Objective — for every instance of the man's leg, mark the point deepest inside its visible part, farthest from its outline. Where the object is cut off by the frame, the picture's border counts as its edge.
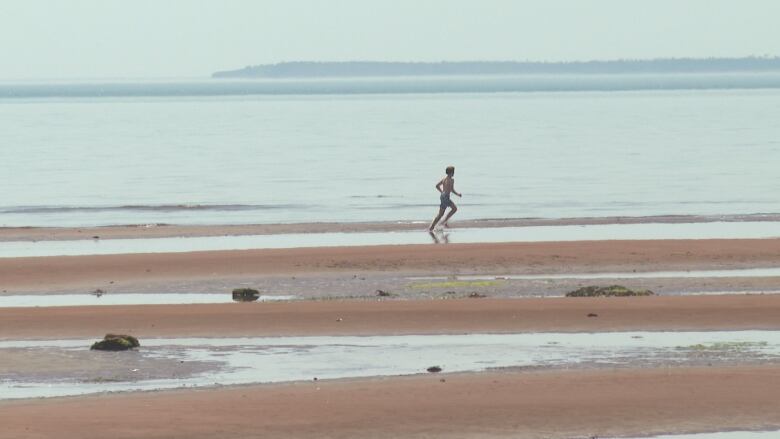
(438, 217)
(453, 209)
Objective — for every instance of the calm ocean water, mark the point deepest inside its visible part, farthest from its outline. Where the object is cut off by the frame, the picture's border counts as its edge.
(99, 157)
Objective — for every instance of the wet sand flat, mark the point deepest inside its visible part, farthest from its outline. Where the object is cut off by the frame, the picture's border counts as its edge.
(485, 405)
(72, 272)
(502, 403)
(178, 230)
(395, 317)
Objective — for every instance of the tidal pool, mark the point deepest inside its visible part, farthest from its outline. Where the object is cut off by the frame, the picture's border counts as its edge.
(281, 359)
(21, 301)
(743, 272)
(721, 435)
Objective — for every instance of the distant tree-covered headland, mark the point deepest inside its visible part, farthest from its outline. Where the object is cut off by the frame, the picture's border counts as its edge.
(445, 68)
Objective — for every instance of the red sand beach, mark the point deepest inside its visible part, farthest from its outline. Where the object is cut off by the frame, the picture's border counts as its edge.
(59, 272)
(496, 404)
(507, 404)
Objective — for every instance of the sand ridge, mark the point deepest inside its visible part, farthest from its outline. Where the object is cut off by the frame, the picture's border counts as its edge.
(395, 317)
(58, 272)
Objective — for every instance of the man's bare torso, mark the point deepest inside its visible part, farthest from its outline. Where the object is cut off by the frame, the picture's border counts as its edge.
(447, 183)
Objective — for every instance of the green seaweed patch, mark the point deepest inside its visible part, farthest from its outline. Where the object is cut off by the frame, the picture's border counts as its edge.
(456, 295)
(457, 284)
(116, 342)
(610, 291)
(725, 346)
(383, 293)
(99, 380)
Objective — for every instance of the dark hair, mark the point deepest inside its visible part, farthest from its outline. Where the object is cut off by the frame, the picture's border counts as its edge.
(450, 170)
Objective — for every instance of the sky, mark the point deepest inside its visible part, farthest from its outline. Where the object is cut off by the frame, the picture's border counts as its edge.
(193, 38)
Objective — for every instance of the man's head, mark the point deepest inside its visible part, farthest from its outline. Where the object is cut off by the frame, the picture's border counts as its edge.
(450, 170)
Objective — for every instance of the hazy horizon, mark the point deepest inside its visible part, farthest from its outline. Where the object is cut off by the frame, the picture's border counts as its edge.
(94, 39)
(238, 68)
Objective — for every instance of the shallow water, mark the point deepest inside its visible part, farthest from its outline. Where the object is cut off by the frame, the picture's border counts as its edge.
(743, 272)
(100, 160)
(714, 230)
(20, 301)
(282, 359)
(720, 435)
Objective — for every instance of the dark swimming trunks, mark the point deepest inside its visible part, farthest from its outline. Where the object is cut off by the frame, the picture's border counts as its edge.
(445, 200)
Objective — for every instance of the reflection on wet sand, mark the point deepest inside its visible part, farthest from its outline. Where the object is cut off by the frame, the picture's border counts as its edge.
(714, 230)
(439, 237)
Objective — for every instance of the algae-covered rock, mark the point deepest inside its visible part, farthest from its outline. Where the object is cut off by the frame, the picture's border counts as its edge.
(245, 295)
(610, 291)
(116, 342)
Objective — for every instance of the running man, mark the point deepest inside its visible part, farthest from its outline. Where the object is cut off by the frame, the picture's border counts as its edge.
(446, 186)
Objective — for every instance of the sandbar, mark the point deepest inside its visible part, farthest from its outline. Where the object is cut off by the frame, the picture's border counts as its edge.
(67, 273)
(395, 317)
(508, 404)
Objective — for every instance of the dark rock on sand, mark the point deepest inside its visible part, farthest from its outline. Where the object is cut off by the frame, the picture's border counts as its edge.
(434, 369)
(610, 291)
(383, 293)
(245, 295)
(116, 342)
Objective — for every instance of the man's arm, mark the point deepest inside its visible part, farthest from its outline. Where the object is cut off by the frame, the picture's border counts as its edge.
(454, 191)
(439, 185)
